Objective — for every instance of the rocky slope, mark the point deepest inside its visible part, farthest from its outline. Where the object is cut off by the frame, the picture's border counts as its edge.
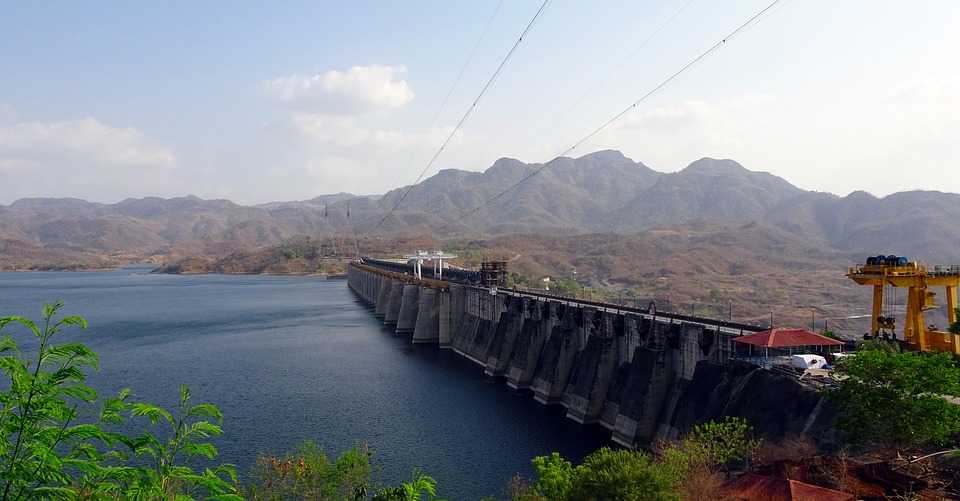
(603, 192)
(712, 235)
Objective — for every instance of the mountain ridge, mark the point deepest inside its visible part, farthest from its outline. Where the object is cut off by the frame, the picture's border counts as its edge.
(603, 191)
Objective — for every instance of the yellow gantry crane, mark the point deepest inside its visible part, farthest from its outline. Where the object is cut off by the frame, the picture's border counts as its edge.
(918, 279)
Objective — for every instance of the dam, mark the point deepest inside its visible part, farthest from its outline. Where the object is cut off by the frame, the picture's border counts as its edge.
(642, 375)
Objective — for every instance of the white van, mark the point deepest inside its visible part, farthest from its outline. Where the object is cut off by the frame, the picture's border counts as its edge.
(808, 361)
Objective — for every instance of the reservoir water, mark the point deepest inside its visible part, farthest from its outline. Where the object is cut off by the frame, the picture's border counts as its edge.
(294, 358)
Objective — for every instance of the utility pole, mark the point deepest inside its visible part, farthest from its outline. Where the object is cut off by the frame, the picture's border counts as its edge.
(730, 313)
(813, 320)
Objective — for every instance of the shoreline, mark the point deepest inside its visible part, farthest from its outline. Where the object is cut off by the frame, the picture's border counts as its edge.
(330, 276)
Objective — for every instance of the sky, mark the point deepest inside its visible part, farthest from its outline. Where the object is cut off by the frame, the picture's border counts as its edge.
(268, 101)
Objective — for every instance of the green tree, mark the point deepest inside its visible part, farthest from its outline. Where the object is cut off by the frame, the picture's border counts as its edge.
(682, 469)
(955, 327)
(622, 475)
(554, 476)
(565, 287)
(722, 442)
(898, 399)
(47, 452)
(881, 345)
(186, 437)
(693, 464)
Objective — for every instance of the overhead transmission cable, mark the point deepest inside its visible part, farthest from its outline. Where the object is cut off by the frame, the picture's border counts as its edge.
(628, 109)
(446, 98)
(468, 112)
(629, 56)
(466, 64)
(443, 104)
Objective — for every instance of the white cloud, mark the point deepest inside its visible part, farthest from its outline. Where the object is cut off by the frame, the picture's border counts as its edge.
(85, 141)
(350, 133)
(334, 141)
(670, 136)
(83, 158)
(354, 154)
(360, 89)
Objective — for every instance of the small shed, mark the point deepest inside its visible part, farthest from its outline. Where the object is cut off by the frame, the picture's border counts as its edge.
(784, 342)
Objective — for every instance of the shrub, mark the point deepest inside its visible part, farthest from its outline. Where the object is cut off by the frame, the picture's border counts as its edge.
(554, 476)
(519, 489)
(898, 399)
(622, 475)
(722, 442)
(792, 448)
(309, 474)
(413, 490)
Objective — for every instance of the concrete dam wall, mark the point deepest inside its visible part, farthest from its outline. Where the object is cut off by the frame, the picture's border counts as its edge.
(641, 376)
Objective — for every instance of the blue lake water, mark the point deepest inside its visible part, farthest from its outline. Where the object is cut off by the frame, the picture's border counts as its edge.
(293, 358)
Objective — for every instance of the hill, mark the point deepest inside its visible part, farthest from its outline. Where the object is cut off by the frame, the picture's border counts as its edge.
(600, 192)
(712, 233)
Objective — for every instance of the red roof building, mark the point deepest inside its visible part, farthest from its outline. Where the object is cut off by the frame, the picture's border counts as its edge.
(751, 487)
(783, 342)
(786, 338)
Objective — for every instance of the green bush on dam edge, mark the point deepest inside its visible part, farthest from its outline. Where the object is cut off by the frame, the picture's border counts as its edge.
(60, 441)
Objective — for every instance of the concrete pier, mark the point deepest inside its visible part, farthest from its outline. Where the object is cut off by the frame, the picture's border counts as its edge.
(478, 347)
(383, 297)
(636, 374)
(394, 302)
(502, 345)
(443, 314)
(559, 354)
(427, 328)
(649, 380)
(467, 331)
(529, 345)
(409, 304)
(375, 282)
(596, 364)
(634, 334)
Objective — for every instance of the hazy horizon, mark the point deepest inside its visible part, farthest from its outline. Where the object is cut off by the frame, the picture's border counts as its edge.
(360, 195)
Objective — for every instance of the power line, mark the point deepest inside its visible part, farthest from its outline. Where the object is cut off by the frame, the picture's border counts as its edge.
(625, 59)
(628, 109)
(467, 113)
(446, 98)
(443, 105)
(466, 64)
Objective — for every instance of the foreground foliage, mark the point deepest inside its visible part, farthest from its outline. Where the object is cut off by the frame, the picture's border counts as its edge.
(898, 399)
(309, 474)
(59, 440)
(419, 484)
(682, 470)
(55, 443)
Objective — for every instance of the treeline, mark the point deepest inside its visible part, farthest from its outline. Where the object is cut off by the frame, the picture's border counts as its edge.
(60, 440)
